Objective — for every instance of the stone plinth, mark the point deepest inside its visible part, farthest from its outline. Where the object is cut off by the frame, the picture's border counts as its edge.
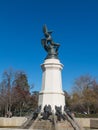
(51, 92)
(94, 123)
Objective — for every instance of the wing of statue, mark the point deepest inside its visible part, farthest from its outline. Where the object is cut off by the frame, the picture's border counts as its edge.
(45, 29)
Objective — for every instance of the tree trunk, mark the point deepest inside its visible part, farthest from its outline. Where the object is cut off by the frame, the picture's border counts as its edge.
(88, 110)
(20, 109)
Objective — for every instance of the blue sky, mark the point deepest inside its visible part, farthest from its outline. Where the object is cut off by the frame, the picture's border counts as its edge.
(75, 25)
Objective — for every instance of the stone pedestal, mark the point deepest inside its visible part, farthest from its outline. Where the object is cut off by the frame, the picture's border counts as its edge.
(51, 92)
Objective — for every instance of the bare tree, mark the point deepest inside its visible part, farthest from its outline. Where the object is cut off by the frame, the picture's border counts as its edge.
(84, 96)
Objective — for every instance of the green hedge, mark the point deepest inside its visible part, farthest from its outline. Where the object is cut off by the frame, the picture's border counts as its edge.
(86, 115)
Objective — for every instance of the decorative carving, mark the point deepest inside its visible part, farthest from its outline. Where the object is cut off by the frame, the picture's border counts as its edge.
(59, 113)
(47, 112)
(36, 112)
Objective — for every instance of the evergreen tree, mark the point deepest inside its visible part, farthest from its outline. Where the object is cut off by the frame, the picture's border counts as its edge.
(21, 81)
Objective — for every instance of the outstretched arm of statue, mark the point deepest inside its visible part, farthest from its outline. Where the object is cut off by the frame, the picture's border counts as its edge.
(55, 44)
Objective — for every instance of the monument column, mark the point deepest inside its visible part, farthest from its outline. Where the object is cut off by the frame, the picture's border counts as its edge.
(51, 92)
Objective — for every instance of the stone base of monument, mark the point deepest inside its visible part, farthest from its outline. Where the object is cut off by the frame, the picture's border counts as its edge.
(53, 121)
(51, 92)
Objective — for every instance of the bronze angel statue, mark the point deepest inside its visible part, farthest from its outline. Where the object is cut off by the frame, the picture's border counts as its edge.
(49, 45)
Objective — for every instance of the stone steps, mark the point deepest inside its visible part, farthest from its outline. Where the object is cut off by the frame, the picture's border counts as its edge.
(42, 125)
(47, 125)
(64, 125)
